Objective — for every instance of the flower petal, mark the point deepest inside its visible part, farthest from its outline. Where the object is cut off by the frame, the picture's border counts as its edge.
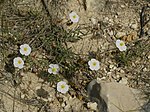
(50, 70)
(123, 48)
(51, 65)
(118, 43)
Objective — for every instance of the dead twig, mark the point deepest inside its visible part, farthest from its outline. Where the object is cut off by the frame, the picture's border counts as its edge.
(142, 20)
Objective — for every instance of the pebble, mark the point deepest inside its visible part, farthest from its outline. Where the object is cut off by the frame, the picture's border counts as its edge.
(115, 68)
(111, 33)
(44, 99)
(148, 32)
(106, 19)
(134, 26)
(111, 66)
(116, 16)
(94, 21)
(145, 69)
(63, 104)
(92, 106)
(67, 108)
(118, 76)
(123, 81)
(65, 98)
(123, 6)
(147, 85)
(122, 71)
(111, 22)
(109, 73)
(23, 96)
(98, 80)
(38, 87)
(120, 34)
(49, 99)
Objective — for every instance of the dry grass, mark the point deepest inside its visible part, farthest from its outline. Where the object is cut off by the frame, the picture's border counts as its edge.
(25, 23)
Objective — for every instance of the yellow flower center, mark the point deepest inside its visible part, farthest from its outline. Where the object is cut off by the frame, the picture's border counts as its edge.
(19, 61)
(62, 86)
(121, 44)
(25, 49)
(74, 16)
(94, 63)
(54, 69)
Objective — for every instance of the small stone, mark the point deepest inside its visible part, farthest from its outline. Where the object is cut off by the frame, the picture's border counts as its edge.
(70, 98)
(63, 105)
(38, 87)
(149, 57)
(134, 26)
(111, 33)
(65, 98)
(49, 99)
(44, 99)
(22, 74)
(98, 80)
(118, 76)
(67, 108)
(122, 6)
(111, 22)
(111, 66)
(114, 67)
(22, 96)
(122, 71)
(53, 86)
(92, 106)
(123, 81)
(109, 73)
(116, 16)
(94, 21)
(120, 34)
(106, 19)
(148, 32)
(147, 84)
(145, 69)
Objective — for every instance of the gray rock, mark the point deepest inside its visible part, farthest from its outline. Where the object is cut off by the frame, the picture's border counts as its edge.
(94, 90)
(146, 107)
(114, 97)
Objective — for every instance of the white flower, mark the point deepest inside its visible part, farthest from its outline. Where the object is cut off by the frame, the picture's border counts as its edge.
(121, 45)
(94, 64)
(25, 49)
(18, 62)
(74, 17)
(54, 68)
(62, 87)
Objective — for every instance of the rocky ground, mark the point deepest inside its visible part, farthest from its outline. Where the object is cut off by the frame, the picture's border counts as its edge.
(124, 78)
